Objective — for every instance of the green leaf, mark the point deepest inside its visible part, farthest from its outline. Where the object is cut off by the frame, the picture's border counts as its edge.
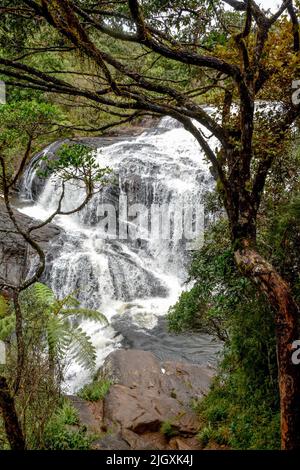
(86, 313)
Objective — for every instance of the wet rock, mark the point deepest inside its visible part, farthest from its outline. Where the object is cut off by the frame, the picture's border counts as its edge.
(123, 271)
(192, 348)
(16, 255)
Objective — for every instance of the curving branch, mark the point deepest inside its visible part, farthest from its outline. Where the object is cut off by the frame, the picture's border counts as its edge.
(295, 23)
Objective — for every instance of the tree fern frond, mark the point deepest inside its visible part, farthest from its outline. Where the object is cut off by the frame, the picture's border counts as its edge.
(72, 301)
(63, 337)
(68, 301)
(82, 349)
(7, 327)
(43, 293)
(86, 313)
(58, 335)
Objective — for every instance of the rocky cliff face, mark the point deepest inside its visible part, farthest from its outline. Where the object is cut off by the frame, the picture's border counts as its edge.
(16, 255)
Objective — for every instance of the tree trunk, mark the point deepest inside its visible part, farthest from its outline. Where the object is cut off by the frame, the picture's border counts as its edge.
(20, 340)
(11, 422)
(51, 361)
(256, 268)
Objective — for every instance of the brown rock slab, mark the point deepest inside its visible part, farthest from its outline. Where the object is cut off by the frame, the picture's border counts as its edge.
(111, 442)
(133, 368)
(148, 393)
(146, 441)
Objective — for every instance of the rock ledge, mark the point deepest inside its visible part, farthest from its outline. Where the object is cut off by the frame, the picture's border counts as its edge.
(147, 394)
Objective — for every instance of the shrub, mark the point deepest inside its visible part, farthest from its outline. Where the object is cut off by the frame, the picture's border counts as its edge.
(68, 414)
(60, 436)
(96, 390)
(168, 429)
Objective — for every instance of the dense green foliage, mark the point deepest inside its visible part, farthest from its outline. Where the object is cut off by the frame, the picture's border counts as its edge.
(76, 163)
(53, 339)
(25, 126)
(242, 409)
(63, 431)
(38, 45)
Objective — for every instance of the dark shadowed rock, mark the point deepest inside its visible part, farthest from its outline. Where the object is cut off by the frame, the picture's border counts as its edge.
(15, 253)
(187, 347)
(111, 441)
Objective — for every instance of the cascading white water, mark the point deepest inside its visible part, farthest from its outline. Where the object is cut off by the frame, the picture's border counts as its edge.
(137, 278)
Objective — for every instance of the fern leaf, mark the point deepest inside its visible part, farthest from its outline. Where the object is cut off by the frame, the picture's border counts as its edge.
(60, 304)
(86, 313)
(58, 335)
(7, 327)
(82, 350)
(43, 293)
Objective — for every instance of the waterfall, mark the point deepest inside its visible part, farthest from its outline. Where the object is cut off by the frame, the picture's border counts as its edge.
(132, 281)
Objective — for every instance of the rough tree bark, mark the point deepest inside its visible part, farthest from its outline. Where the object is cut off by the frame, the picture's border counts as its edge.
(277, 291)
(20, 340)
(12, 425)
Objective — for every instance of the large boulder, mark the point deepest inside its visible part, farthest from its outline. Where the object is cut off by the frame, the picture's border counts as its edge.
(16, 255)
(135, 368)
(148, 395)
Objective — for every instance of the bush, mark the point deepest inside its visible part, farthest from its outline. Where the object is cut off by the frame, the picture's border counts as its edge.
(168, 429)
(240, 423)
(68, 414)
(242, 407)
(60, 436)
(215, 436)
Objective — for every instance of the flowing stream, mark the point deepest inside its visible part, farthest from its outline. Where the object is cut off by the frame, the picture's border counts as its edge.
(132, 281)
